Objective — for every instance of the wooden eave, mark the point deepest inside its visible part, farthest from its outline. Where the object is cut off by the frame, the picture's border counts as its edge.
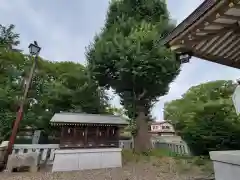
(211, 32)
(85, 124)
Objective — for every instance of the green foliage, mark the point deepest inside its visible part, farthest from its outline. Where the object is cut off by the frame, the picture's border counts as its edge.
(8, 38)
(134, 61)
(205, 117)
(56, 87)
(128, 56)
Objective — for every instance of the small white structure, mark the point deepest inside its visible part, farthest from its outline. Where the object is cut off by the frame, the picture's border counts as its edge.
(82, 159)
(226, 164)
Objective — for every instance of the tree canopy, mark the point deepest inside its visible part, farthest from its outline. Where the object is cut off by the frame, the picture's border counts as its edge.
(205, 117)
(56, 87)
(128, 56)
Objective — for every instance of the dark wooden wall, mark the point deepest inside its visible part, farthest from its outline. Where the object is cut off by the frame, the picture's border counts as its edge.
(89, 136)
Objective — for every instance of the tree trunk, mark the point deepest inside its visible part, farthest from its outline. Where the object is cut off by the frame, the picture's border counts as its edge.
(142, 137)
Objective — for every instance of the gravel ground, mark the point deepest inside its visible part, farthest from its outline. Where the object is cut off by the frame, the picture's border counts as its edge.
(157, 170)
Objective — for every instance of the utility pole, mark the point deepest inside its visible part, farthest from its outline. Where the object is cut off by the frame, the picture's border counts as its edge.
(34, 51)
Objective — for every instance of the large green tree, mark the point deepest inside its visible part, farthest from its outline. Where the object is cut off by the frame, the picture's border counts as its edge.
(129, 57)
(205, 117)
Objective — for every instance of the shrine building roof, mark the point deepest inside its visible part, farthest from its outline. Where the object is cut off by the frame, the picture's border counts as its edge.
(211, 32)
(85, 119)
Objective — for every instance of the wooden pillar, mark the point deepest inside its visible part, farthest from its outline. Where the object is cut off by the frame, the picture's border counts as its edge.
(86, 136)
(108, 139)
(97, 136)
(62, 135)
(62, 131)
(74, 135)
(117, 136)
(108, 129)
(117, 133)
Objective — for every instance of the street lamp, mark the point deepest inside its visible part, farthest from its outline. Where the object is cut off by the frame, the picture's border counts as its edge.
(34, 50)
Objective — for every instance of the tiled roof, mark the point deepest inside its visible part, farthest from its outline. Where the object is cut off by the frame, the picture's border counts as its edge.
(159, 122)
(87, 118)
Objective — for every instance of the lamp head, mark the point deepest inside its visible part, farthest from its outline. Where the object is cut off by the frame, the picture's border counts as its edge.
(34, 49)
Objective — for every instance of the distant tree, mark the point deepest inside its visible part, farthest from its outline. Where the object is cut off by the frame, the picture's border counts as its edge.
(8, 38)
(129, 57)
(205, 117)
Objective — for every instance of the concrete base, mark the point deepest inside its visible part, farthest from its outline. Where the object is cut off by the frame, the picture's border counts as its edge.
(226, 164)
(82, 159)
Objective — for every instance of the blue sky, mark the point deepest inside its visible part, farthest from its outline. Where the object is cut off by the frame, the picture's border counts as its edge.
(64, 28)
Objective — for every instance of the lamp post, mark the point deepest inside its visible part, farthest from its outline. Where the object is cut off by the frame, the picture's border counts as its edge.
(34, 50)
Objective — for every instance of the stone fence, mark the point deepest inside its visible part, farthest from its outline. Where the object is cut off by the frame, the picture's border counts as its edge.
(178, 148)
(47, 150)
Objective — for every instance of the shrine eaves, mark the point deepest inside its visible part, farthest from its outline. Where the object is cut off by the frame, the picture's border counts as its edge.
(211, 32)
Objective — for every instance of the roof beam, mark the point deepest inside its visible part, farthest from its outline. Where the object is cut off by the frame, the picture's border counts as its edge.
(236, 5)
(227, 16)
(232, 27)
(218, 60)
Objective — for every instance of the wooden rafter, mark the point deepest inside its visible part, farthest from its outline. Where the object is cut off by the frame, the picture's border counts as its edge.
(232, 17)
(231, 52)
(210, 18)
(197, 38)
(219, 24)
(236, 5)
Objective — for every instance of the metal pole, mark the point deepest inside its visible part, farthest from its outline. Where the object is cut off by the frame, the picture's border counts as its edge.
(21, 108)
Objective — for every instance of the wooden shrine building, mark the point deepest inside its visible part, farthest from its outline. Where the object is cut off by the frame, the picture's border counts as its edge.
(211, 32)
(79, 130)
